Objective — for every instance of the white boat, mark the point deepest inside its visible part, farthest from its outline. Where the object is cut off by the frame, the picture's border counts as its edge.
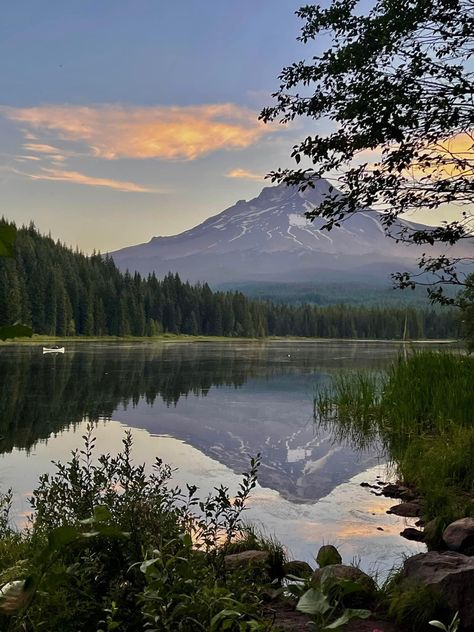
(55, 349)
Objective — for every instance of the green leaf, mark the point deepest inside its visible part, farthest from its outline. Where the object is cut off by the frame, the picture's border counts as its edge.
(110, 531)
(348, 586)
(346, 616)
(101, 513)
(61, 536)
(224, 614)
(438, 624)
(7, 240)
(313, 602)
(15, 331)
(187, 540)
(144, 566)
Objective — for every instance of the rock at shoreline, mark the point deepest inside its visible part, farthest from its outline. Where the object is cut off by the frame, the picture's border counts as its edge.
(328, 555)
(391, 490)
(361, 598)
(413, 534)
(452, 574)
(459, 536)
(407, 510)
(297, 568)
(247, 559)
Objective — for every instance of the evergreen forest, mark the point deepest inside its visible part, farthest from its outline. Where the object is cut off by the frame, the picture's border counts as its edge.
(63, 292)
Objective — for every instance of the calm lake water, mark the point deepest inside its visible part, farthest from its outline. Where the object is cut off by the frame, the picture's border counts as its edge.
(206, 408)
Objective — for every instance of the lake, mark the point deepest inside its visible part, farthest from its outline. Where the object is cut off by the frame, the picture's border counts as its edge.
(206, 408)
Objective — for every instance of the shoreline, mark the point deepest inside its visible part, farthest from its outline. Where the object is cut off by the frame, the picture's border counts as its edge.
(39, 339)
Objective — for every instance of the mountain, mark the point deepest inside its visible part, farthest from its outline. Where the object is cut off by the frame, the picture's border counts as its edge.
(268, 239)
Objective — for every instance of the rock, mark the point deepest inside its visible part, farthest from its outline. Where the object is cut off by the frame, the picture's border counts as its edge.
(297, 568)
(420, 523)
(459, 536)
(395, 490)
(247, 559)
(361, 598)
(328, 555)
(392, 490)
(407, 494)
(407, 510)
(413, 534)
(452, 574)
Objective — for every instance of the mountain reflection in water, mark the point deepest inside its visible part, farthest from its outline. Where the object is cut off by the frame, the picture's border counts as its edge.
(228, 400)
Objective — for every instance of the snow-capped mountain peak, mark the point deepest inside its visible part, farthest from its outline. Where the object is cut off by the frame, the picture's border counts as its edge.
(267, 237)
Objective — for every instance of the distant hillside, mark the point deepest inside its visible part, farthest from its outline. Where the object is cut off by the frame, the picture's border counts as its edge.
(323, 294)
(62, 292)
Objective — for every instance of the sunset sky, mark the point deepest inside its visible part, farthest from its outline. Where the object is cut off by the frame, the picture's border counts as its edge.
(123, 120)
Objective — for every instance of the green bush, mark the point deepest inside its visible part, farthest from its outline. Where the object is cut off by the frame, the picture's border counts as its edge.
(114, 548)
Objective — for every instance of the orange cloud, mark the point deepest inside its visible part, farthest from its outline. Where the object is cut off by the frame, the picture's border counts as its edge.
(23, 158)
(243, 173)
(170, 133)
(40, 148)
(74, 177)
(448, 158)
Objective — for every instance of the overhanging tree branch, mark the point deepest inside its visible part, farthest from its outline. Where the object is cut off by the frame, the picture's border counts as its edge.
(397, 81)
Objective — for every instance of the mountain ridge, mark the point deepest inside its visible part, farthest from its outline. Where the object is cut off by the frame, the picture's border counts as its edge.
(268, 238)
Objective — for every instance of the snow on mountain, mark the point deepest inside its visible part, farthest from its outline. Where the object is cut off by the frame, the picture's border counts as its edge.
(269, 239)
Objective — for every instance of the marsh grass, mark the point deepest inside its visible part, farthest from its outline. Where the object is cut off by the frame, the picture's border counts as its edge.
(421, 411)
(350, 407)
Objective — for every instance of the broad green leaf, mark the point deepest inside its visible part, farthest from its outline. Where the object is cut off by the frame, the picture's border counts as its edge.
(110, 531)
(62, 536)
(187, 540)
(101, 513)
(346, 616)
(7, 240)
(224, 614)
(15, 331)
(348, 586)
(438, 624)
(313, 602)
(144, 566)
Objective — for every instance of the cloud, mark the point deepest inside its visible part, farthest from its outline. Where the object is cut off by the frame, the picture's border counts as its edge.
(74, 177)
(164, 132)
(243, 173)
(448, 158)
(41, 149)
(24, 158)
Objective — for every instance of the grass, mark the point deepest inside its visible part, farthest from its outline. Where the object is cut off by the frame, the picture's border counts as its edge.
(422, 413)
(168, 337)
(41, 338)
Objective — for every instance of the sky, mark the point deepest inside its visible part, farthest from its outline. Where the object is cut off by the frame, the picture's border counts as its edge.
(122, 120)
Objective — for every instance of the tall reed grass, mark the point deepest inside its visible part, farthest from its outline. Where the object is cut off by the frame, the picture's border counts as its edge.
(422, 412)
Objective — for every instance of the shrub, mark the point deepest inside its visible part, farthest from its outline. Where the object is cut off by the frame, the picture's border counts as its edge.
(114, 548)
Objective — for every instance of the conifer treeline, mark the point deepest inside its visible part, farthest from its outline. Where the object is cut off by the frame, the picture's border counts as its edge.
(61, 292)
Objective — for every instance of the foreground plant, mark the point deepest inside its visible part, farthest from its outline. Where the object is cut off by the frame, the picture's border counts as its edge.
(327, 602)
(451, 627)
(112, 547)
